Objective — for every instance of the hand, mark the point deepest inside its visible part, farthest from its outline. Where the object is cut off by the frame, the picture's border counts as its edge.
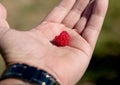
(82, 19)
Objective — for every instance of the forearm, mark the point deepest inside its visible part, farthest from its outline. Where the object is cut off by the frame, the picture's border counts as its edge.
(14, 82)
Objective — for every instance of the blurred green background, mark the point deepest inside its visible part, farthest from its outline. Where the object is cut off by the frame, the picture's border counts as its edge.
(104, 68)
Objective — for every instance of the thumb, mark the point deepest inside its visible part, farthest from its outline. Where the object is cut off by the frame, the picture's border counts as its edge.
(3, 23)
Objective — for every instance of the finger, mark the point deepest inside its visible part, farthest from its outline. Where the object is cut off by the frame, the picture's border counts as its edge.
(74, 15)
(59, 12)
(85, 18)
(94, 25)
(3, 13)
(3, 23)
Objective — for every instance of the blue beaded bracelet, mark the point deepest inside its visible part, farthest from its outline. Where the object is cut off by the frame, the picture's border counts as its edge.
(29, 74)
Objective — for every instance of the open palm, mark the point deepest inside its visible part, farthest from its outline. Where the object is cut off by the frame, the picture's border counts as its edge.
(82, 19)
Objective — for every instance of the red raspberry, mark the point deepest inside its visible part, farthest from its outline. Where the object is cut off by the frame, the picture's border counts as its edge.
(63, 39)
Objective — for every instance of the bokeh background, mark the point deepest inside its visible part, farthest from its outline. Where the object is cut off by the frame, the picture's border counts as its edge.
(104, 68)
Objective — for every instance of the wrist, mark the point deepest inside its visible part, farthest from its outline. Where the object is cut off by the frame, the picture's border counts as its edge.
(40, 65)
(29, 74)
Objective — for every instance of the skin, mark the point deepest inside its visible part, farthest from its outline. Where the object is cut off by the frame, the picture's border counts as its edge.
(82, 19)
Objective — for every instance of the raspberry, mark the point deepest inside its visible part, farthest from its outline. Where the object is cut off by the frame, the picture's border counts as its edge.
(63, 39)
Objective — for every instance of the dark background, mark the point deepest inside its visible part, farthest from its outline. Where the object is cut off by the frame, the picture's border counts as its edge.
(104, 68)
